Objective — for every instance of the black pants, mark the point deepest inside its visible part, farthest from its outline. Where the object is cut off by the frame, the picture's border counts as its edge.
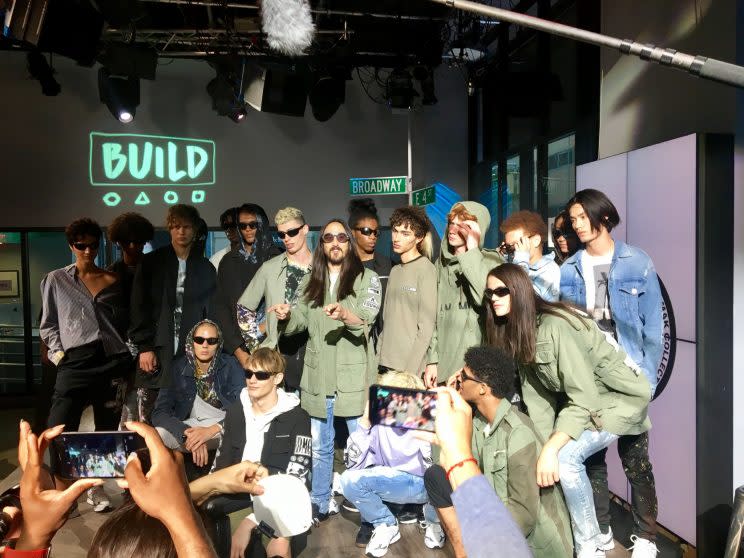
(633, 452)
(438, 487)
(87, 376)
(293, 349)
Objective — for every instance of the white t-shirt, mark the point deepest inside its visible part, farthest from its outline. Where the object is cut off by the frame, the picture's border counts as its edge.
(178, 310)
(596, 270)
(333, 277)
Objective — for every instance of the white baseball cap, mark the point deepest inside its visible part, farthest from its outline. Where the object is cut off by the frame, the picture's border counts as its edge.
(284, 506)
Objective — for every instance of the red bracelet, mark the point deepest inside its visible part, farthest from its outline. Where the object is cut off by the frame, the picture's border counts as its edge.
(460, 464)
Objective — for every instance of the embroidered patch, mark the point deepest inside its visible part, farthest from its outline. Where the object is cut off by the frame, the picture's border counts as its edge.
(373, 291)
(371, 303)
(410, 289)
(375, 281)
(303, 445)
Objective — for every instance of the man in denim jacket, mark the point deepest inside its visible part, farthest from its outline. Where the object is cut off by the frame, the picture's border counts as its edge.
(617, 285)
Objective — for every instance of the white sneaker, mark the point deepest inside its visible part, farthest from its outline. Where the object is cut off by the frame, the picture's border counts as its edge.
(333, 506)
(97, 498)
(382, 537)
(336, 485)
(434, 536)
(643, 548)
(606, 540)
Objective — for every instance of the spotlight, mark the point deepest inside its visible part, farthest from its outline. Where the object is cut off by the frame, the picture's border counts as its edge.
(471, 88)
(120, 94)
(425, 77)
(399, 89)
(326, 96)
(40, 69)
(227, 97)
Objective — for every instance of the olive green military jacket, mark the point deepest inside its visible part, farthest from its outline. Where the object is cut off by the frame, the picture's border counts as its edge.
(582, 380)
(507, 452)
(338, 359)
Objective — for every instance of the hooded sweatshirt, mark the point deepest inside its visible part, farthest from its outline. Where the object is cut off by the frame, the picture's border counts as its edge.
(397, 448)
(257, 425)
(461, 281)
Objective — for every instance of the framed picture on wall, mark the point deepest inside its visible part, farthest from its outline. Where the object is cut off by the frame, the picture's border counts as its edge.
(9, 284)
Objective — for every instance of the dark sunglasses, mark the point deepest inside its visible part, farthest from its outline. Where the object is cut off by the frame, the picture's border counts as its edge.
(557, 233)
(342, 237)
(253, 225)
(82, 246)
(259, 374)
(367, 231)
(291, 232)
(498, 291)
(209, 340)
(505, 248)
(464, 378)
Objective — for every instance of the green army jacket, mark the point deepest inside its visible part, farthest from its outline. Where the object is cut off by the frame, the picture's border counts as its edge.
(582, 380)
(507, 452)
(338, 359)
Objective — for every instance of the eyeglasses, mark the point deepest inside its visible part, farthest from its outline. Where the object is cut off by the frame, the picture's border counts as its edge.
(253, 225)
(291, 232)
(209, 340)
(367, 231)
(261, 375)
(82, 246)
(498, 291)
(342, 237)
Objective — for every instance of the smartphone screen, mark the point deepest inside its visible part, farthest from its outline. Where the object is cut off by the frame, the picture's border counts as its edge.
(402, 407)
(80, 455)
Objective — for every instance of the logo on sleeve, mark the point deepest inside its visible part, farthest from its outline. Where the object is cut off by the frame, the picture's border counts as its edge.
(303, 446)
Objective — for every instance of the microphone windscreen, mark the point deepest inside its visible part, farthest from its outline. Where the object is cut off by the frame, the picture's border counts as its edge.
(288, 25)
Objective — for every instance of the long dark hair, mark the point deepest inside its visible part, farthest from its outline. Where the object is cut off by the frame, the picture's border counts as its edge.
(350, 268)
(516, 332)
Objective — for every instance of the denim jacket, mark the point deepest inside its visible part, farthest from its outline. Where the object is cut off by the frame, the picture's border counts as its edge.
(544, 274)
(174, 402)
(635, 301)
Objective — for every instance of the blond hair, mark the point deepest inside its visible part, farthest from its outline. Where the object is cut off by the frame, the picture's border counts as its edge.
(268, 360)
(287, 214)
(396, 378)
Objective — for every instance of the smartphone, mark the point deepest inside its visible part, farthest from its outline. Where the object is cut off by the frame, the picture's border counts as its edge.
(414, 409)
(98, 455)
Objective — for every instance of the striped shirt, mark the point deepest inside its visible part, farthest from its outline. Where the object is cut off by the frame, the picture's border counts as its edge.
(72, 317)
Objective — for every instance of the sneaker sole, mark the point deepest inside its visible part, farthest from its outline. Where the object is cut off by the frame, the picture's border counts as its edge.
(408, 521)
(395, 539)
(433, 545)
(350, 509)
(607, 546)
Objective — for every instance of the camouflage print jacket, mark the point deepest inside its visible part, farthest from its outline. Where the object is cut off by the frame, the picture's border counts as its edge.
(507, 452)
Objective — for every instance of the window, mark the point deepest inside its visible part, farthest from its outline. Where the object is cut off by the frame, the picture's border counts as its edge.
(511, 192)
(560, 183)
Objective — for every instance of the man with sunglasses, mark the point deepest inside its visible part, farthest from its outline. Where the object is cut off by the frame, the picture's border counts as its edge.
(506, 447)
(525, 232)
(338, 301)
(255, 246)
(84, 323)
(227, 224)
(277, 281)
(189, 412)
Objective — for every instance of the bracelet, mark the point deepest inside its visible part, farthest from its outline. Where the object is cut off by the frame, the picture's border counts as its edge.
(459, 464)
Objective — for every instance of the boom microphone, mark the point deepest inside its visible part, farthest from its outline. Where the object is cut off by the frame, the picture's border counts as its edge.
(288, 25)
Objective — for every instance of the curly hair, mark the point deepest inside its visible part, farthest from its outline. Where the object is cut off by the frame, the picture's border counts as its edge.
(530, 222)
(130, 227)
(85, 226)
(414, 217)
(182, 212)
(493, 367)
(362, 208)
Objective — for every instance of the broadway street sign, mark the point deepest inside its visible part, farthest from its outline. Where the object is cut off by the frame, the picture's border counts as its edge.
(377, 186)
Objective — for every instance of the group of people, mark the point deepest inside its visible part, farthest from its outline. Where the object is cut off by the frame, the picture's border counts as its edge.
(261, 353)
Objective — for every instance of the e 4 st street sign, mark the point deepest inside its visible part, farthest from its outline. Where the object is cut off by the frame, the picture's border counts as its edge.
(382, 186)
(425, 196)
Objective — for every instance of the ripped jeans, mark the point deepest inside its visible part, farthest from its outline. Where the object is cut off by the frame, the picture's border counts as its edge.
(576, 486)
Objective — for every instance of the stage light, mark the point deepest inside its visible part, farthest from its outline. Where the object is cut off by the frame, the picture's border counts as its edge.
(399, 90)
(120, 94)
(227, 97)
(326, 96)
(40, 69)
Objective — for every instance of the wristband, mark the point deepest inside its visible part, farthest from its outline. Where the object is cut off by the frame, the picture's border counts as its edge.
(459, 464)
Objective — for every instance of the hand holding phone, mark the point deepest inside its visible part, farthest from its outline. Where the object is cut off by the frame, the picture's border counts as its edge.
(402, 407)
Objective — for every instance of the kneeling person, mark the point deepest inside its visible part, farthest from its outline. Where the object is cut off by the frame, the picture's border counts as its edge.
(266, 425)
(188, 414)
(385, 464)
(507, 447)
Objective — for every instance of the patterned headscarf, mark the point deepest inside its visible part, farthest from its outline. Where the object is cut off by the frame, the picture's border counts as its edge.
(189, 348)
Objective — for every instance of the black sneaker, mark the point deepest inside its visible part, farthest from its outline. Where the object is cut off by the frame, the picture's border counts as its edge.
(348, 506)
(317, 516)
(364, 534)
(408, 514)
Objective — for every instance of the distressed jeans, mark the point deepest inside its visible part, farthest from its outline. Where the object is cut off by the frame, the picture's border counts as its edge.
(367, 488)
(324, 435)
(576, 486)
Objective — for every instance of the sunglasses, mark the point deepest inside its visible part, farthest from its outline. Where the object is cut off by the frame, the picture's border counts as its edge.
(253, 225)
(505, 248)
(464, 378)
(291, 232)
(342, 237)
(498, 291)
(209, 340)
(261, 375)
(82, 246)
(367, 231)
(558, 234)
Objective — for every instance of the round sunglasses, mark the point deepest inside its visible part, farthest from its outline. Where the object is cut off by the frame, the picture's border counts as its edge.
(342, 237)
(261, 375)
(198, 340)
(291, 232)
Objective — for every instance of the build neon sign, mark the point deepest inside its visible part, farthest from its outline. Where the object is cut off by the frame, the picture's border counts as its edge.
(145, 161)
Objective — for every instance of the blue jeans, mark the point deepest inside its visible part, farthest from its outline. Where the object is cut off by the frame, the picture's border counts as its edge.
(367, 488)
(323, 435)
(576, 486)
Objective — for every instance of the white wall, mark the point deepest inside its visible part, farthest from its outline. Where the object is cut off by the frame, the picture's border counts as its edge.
(269, 159)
